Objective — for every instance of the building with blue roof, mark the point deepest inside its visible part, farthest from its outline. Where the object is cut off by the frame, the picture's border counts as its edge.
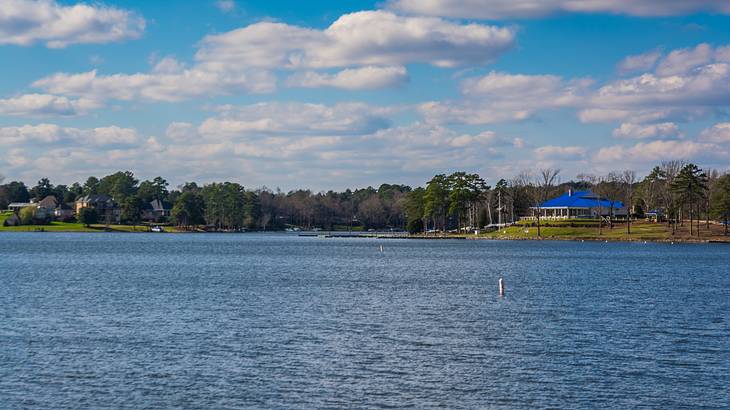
(579, 204)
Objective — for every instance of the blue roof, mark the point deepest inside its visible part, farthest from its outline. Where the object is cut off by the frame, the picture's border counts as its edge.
(580, 199)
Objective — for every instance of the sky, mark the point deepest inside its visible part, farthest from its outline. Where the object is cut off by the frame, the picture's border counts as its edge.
(329, 95)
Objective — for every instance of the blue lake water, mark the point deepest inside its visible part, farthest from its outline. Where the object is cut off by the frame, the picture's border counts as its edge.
(278, 321)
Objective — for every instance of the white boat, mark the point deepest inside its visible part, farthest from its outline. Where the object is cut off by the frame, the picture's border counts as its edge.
(157, 229)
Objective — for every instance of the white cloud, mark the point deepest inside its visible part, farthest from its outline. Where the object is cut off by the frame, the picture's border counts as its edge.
(682, 61)
(285, 119)
(377, 38)
(552, 152)
(25, 23)
(45, 105)
(225, 6)
(647, 153)
(718, 133)
(500, 97)
(159, 85)
(639, 62)
(363, 78)
(54, 134)
(505, 9)
(647, 131)
(688, 84)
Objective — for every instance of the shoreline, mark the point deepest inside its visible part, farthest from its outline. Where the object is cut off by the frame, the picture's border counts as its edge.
(345, 235)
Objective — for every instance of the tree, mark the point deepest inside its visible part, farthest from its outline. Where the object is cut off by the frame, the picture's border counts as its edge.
(26, 215)
(544, 183)
(629, 179)
(13, 192)
(690, 186)
(88, 216)
(148, 191)
(42, 189)
(436, 201)
(188, 210)
(132, 208)
(119, 185)
(91, 186)
(414, 210)
(720, 200)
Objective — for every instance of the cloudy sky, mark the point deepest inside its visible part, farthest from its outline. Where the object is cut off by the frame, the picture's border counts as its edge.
(324, 95)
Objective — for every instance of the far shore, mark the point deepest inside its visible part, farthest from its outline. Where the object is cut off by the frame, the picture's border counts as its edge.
(640, 232)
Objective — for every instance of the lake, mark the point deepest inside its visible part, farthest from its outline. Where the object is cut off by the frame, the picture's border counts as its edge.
(280, 321)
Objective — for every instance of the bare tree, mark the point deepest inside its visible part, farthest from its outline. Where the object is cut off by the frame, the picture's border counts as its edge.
(629, 179)
(545, 181)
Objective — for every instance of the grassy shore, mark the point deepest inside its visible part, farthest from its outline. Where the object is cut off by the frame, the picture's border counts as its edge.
(56, 226)
(640, 231)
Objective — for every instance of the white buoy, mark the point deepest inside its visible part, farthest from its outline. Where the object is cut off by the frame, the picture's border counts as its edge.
(501, 287)
(381, 248)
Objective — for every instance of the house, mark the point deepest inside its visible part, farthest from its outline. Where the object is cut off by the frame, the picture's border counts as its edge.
(17, 206)
(655, 215)
(43, 209)
(46, 207)
(64, 211)
(579, 204)
(105, 206)
(157, 211)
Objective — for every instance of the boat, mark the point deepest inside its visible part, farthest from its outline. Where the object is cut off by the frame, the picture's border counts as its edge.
(157, 229)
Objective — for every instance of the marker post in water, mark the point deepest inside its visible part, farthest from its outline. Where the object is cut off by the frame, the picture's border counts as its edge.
(501, 287)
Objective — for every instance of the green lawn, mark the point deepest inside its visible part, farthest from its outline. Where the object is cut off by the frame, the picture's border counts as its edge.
(639, 231)
(72, 227)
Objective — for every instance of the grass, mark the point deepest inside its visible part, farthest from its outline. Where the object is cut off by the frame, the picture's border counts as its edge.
(640, 231)
(56, 226)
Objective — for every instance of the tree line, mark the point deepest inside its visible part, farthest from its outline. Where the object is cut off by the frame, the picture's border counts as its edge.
(684, 192)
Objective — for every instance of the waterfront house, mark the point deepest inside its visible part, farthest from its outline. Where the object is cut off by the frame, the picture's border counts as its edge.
(17, 206)
(579, 204)
(105, 207)
(157, 211)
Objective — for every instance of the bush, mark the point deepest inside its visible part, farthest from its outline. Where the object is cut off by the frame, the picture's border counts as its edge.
(88, 216)
(26, 215)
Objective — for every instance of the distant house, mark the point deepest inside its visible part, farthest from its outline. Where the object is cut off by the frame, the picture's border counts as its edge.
(64, 211)
(105, 207)
(157, 211)
(655, 215)
(46, 207)
(579, 204)
(17, 206)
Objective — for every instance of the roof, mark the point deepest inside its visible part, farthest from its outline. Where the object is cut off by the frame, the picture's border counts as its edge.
(92, 199)
(19, 204)
(48, 202)
(580, 199)
(158, 205)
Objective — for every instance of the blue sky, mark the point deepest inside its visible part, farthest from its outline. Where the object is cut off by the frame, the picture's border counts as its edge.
(329, 95)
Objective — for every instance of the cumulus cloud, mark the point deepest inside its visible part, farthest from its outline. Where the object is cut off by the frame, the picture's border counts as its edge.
(162, 84)
(26, 23)
(505, 97)
(718, 133)
(647, 131)
(45, 105)
(241, 61)
(640, 62)
(55, 134)
(505, 9)
(553, 152)
(283, 119)
(687, 84)
(363, 78)
(351, 41)
(646, 153)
